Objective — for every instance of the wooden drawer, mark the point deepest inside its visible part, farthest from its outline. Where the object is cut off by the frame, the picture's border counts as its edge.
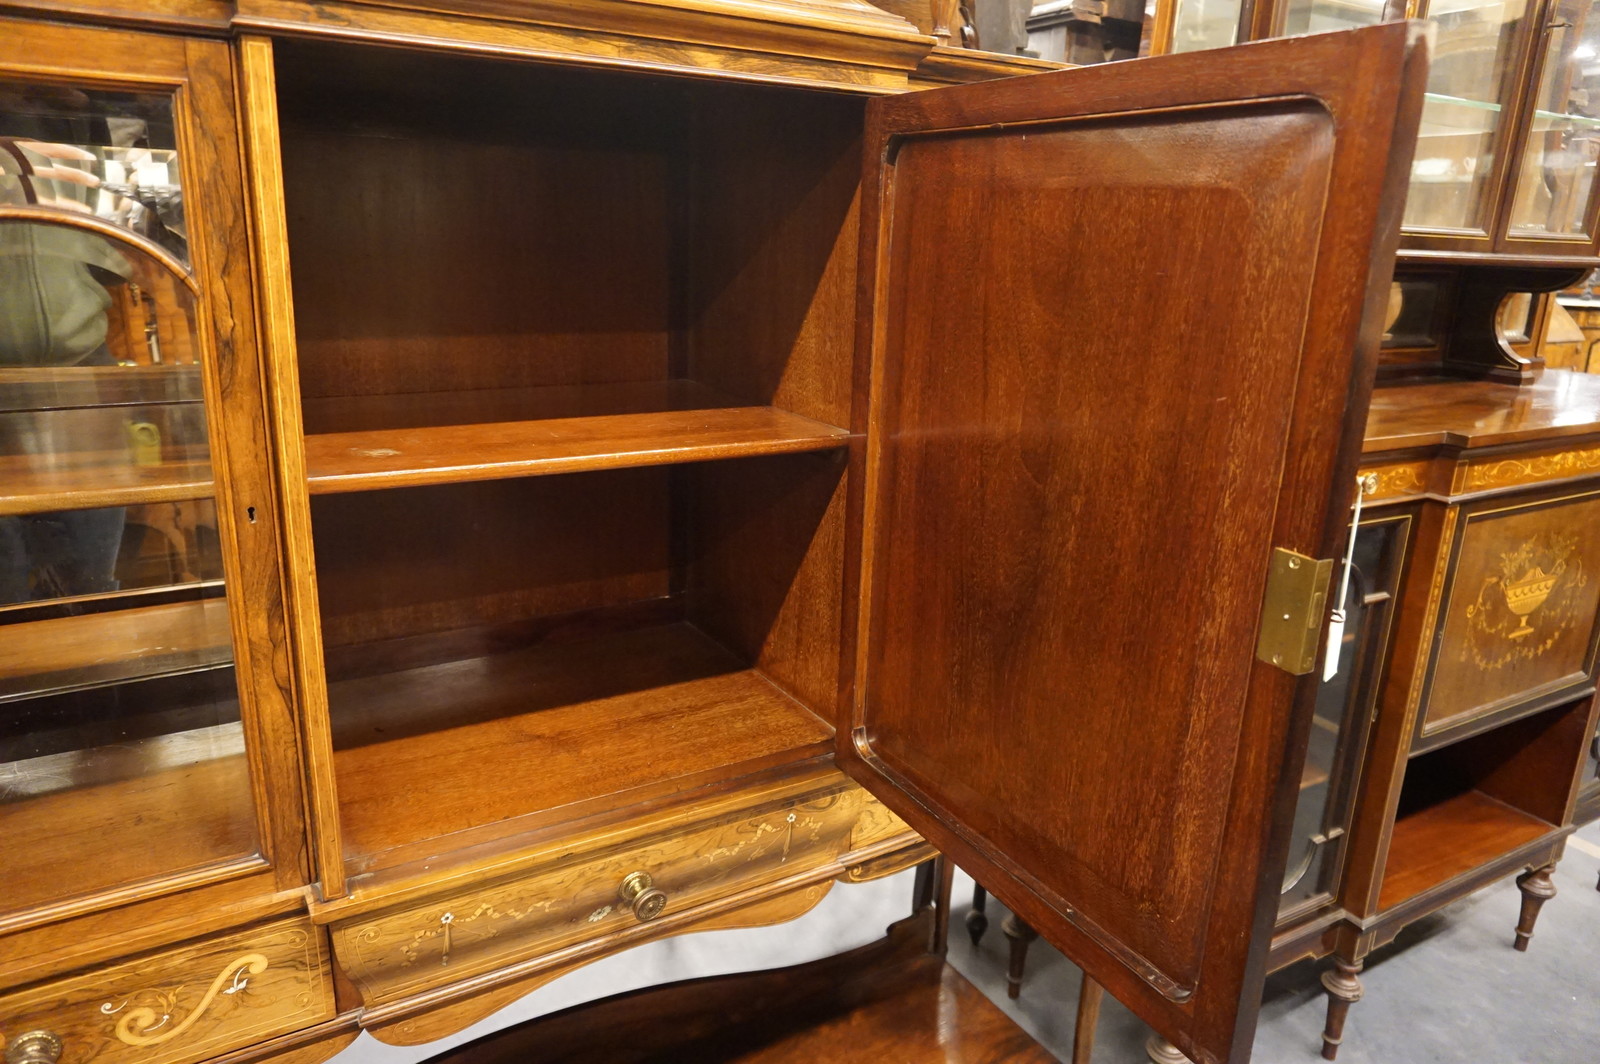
(394, 953)
(184, 1004)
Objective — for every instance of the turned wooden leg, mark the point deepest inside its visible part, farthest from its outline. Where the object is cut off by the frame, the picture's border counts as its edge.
(1161, 1051)
(1089, 997)
(1537, 888)
(977, 919)
(1021, 936)
(1344, 990)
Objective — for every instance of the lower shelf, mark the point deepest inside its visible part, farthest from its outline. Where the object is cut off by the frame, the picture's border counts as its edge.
(122, 813)
(72, 653)
(1435, 844)
(486, 747)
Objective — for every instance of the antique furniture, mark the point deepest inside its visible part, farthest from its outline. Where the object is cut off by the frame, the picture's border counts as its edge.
(892, 999)
(1470, 648)
(625, 515)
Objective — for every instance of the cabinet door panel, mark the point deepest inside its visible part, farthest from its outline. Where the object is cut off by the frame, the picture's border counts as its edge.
(146, 742)
(1065, 544)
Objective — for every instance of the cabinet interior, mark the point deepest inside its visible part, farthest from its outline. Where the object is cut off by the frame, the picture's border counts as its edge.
(503, 270)
(1479, 799)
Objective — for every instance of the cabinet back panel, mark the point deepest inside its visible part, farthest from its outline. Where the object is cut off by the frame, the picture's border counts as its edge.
(766, 541)
(773, 232)
(1516, 762)
(410, 561)
(429, 263)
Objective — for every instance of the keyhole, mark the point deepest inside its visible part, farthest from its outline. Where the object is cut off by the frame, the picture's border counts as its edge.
(250, 512)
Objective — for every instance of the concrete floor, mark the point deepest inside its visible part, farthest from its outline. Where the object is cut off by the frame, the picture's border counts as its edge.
(1450, 990)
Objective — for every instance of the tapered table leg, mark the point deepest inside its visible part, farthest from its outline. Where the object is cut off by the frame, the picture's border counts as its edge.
(1021, 937)
(1343, 985)
(1537, 888)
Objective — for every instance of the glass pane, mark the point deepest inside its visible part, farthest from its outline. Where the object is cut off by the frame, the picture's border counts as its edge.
(1461, 112)
(1324, 16)
(1556, 176)
(1201, 24)
(92, 151)
(121, 752)
(1327, 781)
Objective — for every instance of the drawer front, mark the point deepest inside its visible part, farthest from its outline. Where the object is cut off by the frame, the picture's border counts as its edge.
(185, 1004)
(1518, 618)
(398, 952)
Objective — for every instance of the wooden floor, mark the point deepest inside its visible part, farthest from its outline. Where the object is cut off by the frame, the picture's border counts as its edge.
(887, 1003)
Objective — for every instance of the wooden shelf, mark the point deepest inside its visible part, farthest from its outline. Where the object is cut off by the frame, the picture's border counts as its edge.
(124, 813)
(1449, 838)
(92, 650)
(34, 484)
(76, 387)
(399, 441)
(486, 747)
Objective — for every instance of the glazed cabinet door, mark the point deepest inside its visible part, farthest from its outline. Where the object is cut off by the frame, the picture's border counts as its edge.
(1069, 524)
(146, 746)
(1554, 207)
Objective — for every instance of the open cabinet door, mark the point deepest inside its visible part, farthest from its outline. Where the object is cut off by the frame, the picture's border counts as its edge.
(1122, 325)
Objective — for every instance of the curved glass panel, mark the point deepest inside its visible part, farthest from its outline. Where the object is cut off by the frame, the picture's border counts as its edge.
(121, 752)
(92, 151)
(1338, 733)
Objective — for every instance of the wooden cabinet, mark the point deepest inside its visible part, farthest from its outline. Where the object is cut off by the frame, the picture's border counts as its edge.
(1509, 135)
(641, 437)
(1486, 695)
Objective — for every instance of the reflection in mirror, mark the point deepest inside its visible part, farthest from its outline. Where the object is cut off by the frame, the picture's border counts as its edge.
(1515, 320)
(1086, 32)
(100, 393)
(1413, 310)
(93, 151)
(121, 749)
(1201, 24)
(1325, 16)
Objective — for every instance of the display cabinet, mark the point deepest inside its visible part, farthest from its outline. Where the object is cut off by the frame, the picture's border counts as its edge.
(150, 797)
(628, 517)
(1506, 152)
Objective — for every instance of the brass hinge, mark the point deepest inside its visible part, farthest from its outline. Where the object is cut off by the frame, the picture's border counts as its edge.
(1292, 613)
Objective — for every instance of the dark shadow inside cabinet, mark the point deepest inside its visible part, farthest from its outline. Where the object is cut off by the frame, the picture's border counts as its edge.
(575, 356)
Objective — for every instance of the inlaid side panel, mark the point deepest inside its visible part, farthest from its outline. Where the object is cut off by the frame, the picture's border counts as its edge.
(1519, 619)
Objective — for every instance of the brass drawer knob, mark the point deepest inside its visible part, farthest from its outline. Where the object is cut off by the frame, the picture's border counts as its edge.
(34, 1047)
(647, 901)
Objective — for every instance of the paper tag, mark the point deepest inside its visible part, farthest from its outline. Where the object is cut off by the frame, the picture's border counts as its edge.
(1330, 659)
